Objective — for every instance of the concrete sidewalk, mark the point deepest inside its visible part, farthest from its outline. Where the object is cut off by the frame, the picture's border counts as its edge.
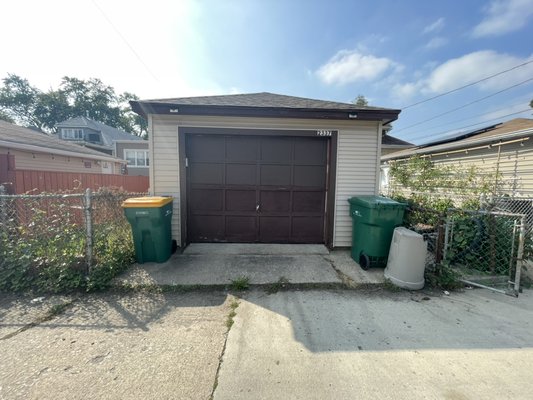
(219, 264)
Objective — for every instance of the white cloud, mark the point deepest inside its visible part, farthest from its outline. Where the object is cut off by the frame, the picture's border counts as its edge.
(435, 26)
(467, 69)
(436, 42)
(503, 16)
(473, 66)
(351, 66)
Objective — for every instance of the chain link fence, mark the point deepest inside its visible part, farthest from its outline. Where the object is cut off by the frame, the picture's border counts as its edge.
(55, 242)
(487, 248)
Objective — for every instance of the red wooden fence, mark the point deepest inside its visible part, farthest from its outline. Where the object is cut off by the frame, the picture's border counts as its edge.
(51, 181)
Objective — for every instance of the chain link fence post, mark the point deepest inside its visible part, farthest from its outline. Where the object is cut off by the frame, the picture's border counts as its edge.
(3, 208)
(520, 255)
(89, 229)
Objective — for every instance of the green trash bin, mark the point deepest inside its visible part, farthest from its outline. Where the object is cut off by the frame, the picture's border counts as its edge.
(374, 219)
(150, 219)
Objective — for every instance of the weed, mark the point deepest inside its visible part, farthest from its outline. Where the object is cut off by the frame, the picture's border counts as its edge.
(277, 286)
(229, 320)
(391, 287)
(443, 277)
(240, 283)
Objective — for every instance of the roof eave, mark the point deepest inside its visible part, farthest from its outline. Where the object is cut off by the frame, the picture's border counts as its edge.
(145, 108)
(49, 150)
(459, 144)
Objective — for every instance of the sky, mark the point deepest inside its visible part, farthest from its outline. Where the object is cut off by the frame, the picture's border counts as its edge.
(395, 53)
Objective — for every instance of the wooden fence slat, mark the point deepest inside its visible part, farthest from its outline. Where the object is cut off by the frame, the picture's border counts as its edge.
(52, 181)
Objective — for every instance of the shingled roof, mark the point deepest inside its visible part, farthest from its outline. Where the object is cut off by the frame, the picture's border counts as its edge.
(14, 136)
(257, 104)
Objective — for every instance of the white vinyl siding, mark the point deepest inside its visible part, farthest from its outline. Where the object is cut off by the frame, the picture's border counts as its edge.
(356, 159)
(515, 165)
(356, 174)
(165, 166)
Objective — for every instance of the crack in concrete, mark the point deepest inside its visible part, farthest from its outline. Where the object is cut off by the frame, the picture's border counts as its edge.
(54, 311)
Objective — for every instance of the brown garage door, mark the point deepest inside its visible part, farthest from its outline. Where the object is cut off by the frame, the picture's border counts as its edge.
(256, 188)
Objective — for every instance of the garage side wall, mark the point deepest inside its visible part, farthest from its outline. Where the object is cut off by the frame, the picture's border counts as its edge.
(357, 159)
(357, 172)
(164, 177)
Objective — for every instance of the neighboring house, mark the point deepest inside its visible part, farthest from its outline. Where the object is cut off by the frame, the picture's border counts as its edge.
(263, 167)
(390, 144)
(33, 150)
(505, 149)
(136, 154)
(94, 134)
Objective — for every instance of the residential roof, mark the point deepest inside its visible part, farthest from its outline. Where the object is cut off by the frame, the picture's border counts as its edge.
(109, 134)
(260, 103)
(514, 128)
(17, 137)
(393, 141)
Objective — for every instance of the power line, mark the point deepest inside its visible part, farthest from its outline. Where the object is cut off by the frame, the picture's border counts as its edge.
(124, 39)
(465, 105)
(407, 135)
(480, 123)
(467, 85)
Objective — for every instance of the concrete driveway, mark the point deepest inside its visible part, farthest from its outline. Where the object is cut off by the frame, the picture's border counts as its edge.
(112, 346)
(364, 345)
(297, 344)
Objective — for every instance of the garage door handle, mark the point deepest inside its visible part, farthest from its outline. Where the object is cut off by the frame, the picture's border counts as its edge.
(257, 208)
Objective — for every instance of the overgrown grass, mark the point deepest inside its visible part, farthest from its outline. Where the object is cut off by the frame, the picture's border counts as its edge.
(43, 247)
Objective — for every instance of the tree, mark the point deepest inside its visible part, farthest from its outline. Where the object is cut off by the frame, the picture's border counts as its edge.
(360, 100)
(29, 106)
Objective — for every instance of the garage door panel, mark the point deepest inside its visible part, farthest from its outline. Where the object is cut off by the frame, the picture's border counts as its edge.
(241, 149)
(207, 148)
(274, 229)
(241, 228)
(206, 228)
(207, 173)
(275, 175)
(240, 200)
(241, 174)
(313, 176)
(308, 229)
(206, 200)
(310, 152)
(310, 202)
(275, 201)
(276, 150)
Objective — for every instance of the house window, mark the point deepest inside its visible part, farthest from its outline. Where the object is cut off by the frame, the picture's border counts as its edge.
(93, 138)
(70, 133)
(136, 158)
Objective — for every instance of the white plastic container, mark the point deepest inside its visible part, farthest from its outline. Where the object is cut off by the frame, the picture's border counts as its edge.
(407, 259)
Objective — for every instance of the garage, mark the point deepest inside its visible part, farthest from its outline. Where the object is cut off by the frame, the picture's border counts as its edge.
(266, 189)
(262, 167)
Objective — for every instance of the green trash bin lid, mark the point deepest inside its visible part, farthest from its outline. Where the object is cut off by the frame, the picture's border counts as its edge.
(371, 201)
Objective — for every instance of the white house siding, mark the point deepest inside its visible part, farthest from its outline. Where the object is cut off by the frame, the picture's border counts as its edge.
(164, 180)
(515, 165)
(357, 174)
(357, 159)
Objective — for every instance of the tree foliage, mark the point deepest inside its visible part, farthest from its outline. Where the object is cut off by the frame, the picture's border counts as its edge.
(27, 105)
(421, 176)
(360, 100)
